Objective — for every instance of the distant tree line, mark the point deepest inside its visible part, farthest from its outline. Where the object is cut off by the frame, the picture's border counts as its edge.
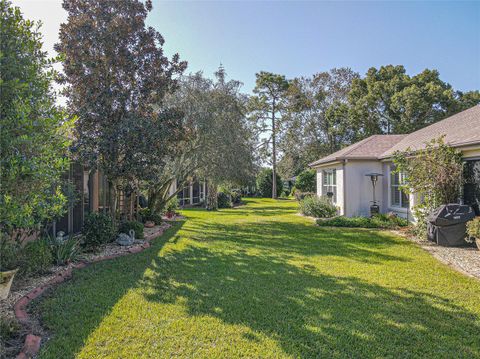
(318, 115)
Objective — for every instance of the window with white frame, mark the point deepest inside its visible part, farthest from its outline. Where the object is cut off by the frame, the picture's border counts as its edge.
(329, 184)
(398, 197)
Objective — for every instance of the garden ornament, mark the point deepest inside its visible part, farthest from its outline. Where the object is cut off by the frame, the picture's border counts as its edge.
(124, 239)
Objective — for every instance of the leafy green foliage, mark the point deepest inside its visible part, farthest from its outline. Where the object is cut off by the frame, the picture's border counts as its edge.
(33, 135)
(388, 100)
(381, 221)
(319, 207)
(65, 251)
(316, 121)
(264, 183)
(36, 257)
(435, 174)
(125, 227)
(172, 206)
(148, 215)
(224, 200)
(236, 196)
(9, 253)
(98, 229)
(473, 228)
(306, 181)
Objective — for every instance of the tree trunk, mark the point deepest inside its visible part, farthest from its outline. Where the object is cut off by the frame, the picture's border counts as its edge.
(113, 189)
(212, 203)
(274, 154)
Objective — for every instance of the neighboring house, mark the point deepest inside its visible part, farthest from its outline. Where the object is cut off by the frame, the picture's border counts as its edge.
(192, 194)
(343, 173)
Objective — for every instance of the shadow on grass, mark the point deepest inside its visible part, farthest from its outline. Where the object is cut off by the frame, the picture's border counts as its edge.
(74, 309)
(292, 238)
(310, 314)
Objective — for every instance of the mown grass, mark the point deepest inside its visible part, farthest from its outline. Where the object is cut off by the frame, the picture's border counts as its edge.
(259, 281)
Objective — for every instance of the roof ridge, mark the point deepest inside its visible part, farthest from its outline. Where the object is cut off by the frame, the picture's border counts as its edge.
(360, 143)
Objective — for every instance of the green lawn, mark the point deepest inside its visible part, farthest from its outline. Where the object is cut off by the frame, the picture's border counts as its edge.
(260, 281)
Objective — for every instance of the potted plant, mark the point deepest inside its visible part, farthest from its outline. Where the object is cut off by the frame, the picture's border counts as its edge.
(473, 230)
(171, 208)
(8, 265)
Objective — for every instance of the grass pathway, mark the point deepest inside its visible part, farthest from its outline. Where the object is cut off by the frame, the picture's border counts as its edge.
(260, 281)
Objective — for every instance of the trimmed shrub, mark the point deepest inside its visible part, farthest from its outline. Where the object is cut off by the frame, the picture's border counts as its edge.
(319, 207)
(97, 230)
(125, 227)
(379, 221)
(224, 200)
(306, 181)
(264, 183)
(36, 257)
(65, 251)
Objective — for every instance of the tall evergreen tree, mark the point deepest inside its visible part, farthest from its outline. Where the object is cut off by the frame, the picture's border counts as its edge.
(117, 76)
(267, 107)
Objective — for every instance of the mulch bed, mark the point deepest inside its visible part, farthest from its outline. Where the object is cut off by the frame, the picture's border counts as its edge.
(24, 290)
(463, 259)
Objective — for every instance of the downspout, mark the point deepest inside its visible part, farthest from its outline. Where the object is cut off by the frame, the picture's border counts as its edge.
(344, 188)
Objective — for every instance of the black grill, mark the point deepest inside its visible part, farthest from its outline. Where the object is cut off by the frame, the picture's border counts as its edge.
(447, 224)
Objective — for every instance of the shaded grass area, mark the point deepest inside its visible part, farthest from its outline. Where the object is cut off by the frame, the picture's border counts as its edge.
(261, 281)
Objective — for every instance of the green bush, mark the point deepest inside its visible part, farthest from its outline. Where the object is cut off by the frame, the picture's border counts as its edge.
(264, 183)
(172, 205)
(65, 251)
(306, 181)
(36, 257)
(379, 221)
(125, 227)
(9, 254)
(147, 215)
(236, 196)
(473, 228)
(97, 230)
(319, 207)
(224, 200)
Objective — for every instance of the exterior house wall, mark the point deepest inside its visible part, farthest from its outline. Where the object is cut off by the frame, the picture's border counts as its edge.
(358, 187)
(340, 186)
(387, 205)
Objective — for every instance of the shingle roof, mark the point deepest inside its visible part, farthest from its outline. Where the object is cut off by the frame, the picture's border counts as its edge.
(459, 130)
(367, 149)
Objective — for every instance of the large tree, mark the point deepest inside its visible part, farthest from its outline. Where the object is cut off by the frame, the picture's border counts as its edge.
(316, 122)
(33, 131)
(267, 108)
(388, 100)
(117, 76)
(217, 145)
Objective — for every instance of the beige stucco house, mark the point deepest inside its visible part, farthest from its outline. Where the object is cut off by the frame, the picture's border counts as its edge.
(343, 173)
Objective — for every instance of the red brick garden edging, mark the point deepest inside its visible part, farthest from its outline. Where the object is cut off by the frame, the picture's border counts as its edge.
(31, 345)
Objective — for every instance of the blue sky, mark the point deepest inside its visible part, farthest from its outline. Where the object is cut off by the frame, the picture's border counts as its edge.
(302, 38)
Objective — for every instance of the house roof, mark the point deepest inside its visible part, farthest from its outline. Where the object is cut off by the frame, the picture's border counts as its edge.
(368, 149)
(461, 129)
